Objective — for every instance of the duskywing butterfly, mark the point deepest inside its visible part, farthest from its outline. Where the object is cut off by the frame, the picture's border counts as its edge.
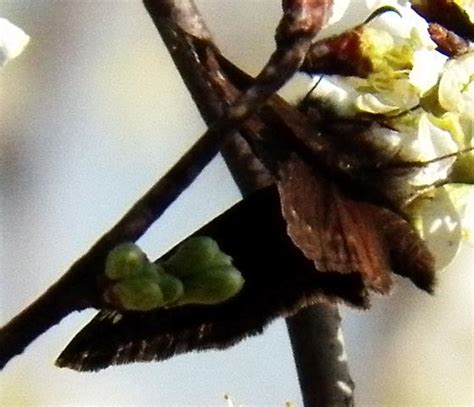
(318, 233)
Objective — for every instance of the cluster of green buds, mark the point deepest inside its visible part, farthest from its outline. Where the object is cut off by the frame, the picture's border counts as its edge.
(426, 99)
(197, 272)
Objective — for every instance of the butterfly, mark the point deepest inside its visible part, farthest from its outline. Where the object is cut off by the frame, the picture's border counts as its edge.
(323, 231)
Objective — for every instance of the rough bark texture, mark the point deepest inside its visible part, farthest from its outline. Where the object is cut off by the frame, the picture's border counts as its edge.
(321, 362)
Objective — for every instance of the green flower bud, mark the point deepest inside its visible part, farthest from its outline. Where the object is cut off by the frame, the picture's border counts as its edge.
(136, 294)
(171, 287)
(152, 270)
(212, 286)
(124, 261)
(195, 255)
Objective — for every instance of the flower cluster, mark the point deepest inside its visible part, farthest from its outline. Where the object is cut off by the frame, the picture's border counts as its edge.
(428, 99)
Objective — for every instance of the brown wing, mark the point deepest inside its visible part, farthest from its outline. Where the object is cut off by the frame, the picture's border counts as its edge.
(409, 254)
(335, 232)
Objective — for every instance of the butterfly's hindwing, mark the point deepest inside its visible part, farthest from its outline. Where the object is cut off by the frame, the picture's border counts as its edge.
(335, 232)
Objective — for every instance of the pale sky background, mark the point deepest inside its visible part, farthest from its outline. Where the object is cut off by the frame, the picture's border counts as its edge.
(91, 115)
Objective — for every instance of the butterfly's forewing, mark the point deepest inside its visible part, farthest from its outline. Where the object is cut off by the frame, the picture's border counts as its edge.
(335, 232)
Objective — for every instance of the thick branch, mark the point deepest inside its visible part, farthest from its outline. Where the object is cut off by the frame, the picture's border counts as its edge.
(321, 362)
(315, 331)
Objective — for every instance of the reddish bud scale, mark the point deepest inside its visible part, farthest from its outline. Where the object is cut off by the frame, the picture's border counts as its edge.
(339, 55)
(448, 42)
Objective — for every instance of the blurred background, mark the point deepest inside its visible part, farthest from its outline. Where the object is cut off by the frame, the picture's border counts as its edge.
(91, 115)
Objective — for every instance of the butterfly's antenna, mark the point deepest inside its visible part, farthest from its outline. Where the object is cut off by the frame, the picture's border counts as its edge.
(380, 11)
(403, 112)
(423, 189)
(313, 88)
(436, 159)
(385, 122)
(456, 154)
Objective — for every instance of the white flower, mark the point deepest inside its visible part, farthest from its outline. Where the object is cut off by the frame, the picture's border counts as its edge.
(12, 41)
(408, 71)
(439, 215)
(456, 87)
(465, 203)
(371, 103)
(406, 65)
(461, 129)
(426, 143)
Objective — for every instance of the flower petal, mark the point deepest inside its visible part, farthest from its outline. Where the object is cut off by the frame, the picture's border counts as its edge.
(371, 103)
(427, 68)
(12, 41)
(456, 87)
(443, 221)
